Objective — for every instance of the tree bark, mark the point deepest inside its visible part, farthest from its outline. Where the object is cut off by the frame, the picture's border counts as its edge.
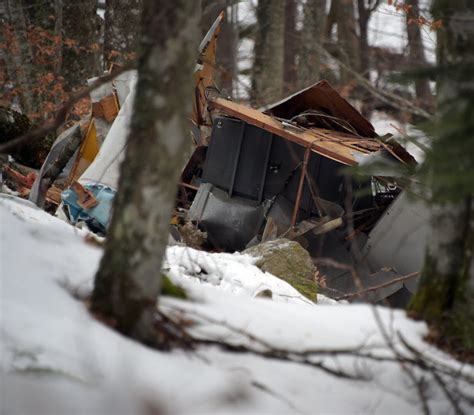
(19, 59)
(445, 298)
(81, 48)
(347, 39)
(122, 23)
(44, 19)
(291, 42)
(365, 9)
(41, 13)
(267, 76)
(314, 17)
(416, 56)
(128, 281)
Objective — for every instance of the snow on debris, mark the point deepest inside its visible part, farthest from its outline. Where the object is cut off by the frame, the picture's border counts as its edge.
(234, 273)
(56, 358)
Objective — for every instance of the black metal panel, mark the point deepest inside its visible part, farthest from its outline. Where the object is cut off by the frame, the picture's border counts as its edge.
(283, 172)
(241, 158)
(265, 170)
(252, 162)
(237, 158)
(235, 166)
(329, 180)
(222, 152)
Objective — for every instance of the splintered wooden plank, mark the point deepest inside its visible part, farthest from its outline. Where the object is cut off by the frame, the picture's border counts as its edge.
(327, 143)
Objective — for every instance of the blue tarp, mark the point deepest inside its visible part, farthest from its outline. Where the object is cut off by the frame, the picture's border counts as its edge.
(96, 218)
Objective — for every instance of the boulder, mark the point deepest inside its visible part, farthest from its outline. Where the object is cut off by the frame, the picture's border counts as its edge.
(289, 261)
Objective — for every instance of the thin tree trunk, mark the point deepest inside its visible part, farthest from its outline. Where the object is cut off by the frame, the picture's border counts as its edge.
(128, 281)
(364, 16)
(20, 61)
(291, 41)
(347, 38)
(314, 17)
(81, 50)
(416, 56)
(44, 17)
(122, 23)
(267, 76)
(365, 9)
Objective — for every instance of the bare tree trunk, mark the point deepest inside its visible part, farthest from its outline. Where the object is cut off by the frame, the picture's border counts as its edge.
(128, 281)
(445, 297)
(267, 76)
(19, 59)
(314, 18)
(81, 49)
(291, 42)
(347, 38)
(365, 9)
(45, 18)
(122, 23)
(416, 56)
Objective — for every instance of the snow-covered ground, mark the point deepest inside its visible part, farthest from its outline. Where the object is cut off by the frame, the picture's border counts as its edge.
(57, 359)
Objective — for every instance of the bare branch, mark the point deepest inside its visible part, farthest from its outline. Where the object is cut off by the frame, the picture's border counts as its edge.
(370, 289)
(386, 96)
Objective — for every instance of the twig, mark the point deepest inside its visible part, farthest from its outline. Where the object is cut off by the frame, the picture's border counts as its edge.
(402, 360)
(339, 265)
(386, 284)
(271, 352)
(383, 94)
(51, 126)
(424, 363)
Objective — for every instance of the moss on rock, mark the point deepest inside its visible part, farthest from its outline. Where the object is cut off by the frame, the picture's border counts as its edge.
(289, 261)
(169, 288)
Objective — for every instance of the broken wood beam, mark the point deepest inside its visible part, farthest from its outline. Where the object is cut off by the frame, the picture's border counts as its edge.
(328, 144)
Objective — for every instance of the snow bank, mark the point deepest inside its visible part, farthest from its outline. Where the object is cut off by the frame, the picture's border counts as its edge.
(56, 358)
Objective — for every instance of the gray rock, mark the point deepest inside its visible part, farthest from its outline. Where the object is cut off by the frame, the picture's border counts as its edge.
(289, 261)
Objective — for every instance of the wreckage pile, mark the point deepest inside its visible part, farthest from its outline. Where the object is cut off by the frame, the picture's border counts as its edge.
(260, 180)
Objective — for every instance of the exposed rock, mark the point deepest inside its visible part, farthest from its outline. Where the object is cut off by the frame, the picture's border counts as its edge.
(289, 261)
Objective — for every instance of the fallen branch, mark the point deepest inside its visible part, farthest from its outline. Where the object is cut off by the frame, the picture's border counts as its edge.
(376, 287)
(268, 351)
(339, 265)
(60, 117)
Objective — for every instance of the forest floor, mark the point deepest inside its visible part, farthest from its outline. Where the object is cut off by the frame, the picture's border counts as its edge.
(57, 358)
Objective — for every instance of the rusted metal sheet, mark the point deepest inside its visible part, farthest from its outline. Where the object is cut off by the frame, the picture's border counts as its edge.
(303, 174)
(323, 98)
(335, 145)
